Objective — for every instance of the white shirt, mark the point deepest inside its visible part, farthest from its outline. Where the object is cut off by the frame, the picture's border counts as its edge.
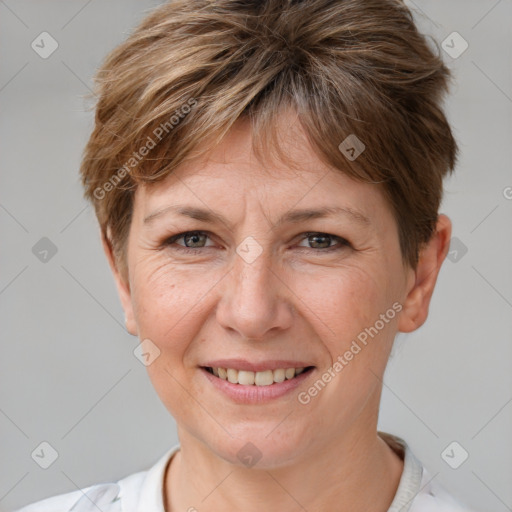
(144, 491)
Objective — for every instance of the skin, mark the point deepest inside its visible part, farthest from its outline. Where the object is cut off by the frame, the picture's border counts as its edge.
(295, 301)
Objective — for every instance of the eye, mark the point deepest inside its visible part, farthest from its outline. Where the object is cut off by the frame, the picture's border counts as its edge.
(323, 241)
(193, 241)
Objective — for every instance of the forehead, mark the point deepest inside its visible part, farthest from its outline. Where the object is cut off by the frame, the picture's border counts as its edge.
(231, 177)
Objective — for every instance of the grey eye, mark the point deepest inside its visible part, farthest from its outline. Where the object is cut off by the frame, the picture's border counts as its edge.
(323, 241)
(191, 239)
(320, 241)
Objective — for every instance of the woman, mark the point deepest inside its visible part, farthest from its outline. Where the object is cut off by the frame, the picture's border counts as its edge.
(267, 178)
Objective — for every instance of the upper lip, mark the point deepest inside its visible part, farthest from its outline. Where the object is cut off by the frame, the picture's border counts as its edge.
(251, 366)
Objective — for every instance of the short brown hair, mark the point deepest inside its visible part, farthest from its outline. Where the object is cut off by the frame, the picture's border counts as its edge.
(347, 67)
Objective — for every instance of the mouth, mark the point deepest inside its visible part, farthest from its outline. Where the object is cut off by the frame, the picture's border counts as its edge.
(269, 377)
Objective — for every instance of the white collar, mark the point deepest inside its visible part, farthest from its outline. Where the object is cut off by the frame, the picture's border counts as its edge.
(144, 491)
(411, 479)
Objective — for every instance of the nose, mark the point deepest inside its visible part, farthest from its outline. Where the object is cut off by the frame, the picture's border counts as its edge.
(256, 302)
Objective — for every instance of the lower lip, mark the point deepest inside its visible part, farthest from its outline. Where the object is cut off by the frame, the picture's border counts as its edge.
(256, 394)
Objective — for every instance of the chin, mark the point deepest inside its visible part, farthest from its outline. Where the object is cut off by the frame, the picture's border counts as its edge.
(259, 446)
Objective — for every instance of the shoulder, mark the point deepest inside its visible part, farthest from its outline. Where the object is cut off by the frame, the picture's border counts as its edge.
(418, 490)
(433, 497)
(104, 495)
(137, 492)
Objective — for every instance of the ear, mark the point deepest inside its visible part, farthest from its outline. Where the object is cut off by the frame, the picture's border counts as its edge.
(122, 284)
(423, 279)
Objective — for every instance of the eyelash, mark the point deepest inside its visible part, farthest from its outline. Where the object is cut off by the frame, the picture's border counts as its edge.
(193, 250)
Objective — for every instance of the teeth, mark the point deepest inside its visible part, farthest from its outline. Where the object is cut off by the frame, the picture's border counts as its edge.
(264, 378)
(233, 376)
(245, 378)
(279, 375)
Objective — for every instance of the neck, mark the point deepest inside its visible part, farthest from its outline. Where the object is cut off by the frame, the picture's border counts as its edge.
(356, 473)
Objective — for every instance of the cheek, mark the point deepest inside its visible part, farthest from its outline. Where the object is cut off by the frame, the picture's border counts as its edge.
(169, 310)
(347, 314)
(167, 304)
(347, 301)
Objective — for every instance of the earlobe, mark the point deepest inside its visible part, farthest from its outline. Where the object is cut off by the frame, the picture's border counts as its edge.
(122, 284)
(423, 280)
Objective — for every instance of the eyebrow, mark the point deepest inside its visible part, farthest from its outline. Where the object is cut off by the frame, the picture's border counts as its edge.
(291, 217)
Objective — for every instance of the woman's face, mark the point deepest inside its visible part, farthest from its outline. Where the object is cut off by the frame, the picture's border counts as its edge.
(265, 289)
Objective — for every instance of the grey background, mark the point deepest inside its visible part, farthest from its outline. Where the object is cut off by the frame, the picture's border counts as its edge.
(68, 373)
